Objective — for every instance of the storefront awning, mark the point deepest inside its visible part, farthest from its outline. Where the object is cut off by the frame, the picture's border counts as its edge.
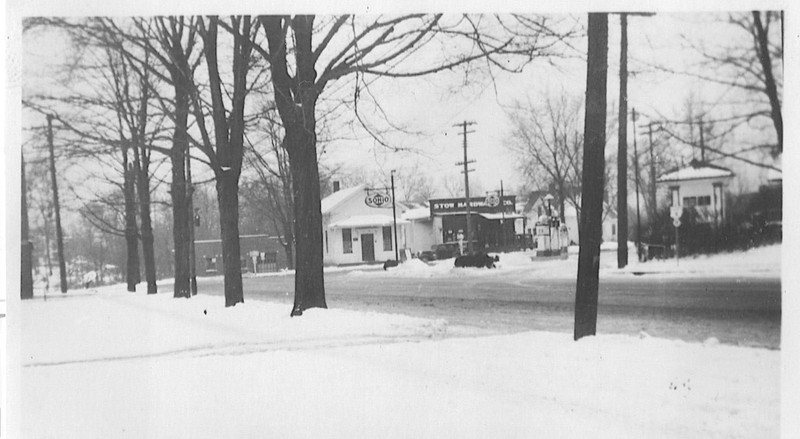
(354, 222)
(489, 216)
(500, 216)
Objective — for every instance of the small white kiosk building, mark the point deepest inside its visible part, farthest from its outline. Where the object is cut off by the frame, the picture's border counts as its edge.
(699, 189)
(358, 227)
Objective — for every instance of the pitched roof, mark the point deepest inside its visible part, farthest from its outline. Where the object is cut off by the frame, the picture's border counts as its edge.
(417, 213)
(696, 170)
(335, 199)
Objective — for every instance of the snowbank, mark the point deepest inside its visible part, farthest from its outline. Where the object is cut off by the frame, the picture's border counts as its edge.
(758, 262)
(119, 365)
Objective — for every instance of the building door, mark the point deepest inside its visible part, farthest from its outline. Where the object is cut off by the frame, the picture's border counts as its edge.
(367, 247)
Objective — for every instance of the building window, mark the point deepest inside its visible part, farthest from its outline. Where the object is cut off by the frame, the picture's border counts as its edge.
(613, 229)
(387, 239)
(689, 201)
(704, 201)
(326, 241)
(674, 195)
(347, 241)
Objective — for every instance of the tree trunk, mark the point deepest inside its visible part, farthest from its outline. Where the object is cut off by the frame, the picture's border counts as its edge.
(132, 275)
(180, 233)
(141, 164)
(62, 264)
(26, 263)
(148, 247)
(296, 101)
(769, 78)
(228, 200)
(309, 283)
(190, 224)
(592, 178)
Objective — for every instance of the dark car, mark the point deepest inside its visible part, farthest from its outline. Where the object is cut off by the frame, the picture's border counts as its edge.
(477, 260)
(439, 251)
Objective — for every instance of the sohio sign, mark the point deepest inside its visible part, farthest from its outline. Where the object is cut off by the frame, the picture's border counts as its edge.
(378, 200)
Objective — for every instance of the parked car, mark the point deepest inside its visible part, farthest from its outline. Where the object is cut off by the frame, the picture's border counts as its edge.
(439, 251)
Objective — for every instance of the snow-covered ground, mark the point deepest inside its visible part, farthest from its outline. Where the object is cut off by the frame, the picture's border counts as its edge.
(105, 363)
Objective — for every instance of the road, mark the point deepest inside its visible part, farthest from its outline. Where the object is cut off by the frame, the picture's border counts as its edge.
(740, 311)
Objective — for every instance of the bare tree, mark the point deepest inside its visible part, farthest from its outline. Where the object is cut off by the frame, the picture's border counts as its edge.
(414, 185)
(109, 110)
(302, 67)
(270, 192)
(547, 142)
(226, 152)
(170, 42)
(749, 66)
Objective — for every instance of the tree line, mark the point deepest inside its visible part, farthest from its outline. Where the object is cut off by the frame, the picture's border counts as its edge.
(179, 90)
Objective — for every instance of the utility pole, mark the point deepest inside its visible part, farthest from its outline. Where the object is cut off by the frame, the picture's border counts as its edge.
(622, 148)
(466, 172)
(636, 171)
(702, 143)
(653, 200)
(502, 216)
(190, 217)
(394, 220)
(26, 264)
(59, 234)
(586, 290)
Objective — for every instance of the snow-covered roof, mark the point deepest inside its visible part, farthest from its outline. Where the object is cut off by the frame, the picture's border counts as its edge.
(331, 201)
(366, 221)
(696, 171)
(417, 213)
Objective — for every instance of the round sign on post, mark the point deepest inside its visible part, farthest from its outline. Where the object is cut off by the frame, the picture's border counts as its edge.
(676, 222)
(378, 200)
(492, 199)
(675, 212)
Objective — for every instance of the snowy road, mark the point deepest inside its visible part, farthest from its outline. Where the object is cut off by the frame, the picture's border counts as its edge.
(741, 311)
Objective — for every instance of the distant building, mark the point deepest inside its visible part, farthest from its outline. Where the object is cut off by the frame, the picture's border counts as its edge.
(259, 254)
(494, 219)
(420, 235)
(700, 189)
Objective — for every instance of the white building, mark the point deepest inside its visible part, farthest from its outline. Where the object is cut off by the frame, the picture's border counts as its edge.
(420, 233)
(700, 189)
(358, 227)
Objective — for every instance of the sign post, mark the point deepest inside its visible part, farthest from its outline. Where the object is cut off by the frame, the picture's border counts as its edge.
(676, 212)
